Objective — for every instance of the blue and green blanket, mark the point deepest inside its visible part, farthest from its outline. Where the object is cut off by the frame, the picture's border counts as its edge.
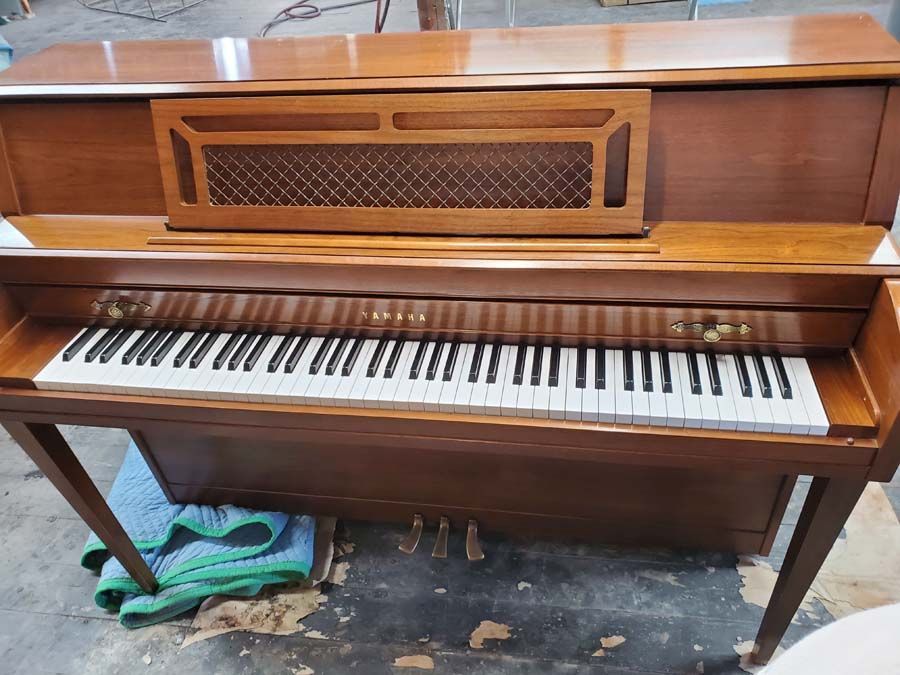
(195, 551)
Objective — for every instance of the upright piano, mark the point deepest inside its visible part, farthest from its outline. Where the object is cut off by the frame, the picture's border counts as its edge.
(622, 283)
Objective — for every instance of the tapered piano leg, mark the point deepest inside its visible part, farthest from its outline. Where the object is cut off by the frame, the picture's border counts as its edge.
(827, 506)
(49, 450)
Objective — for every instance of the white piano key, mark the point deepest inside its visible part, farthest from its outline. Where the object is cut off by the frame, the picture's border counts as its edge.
(606, 397)
(510, 396)
(97, 373)
(796, 409)
(525, 398)
(640, 399)
(276, 387)
(344, 395)
(762, 413)
(674, 399)
(416, 399)
(141, 382)
(818, 420)
(433, 390)
(179, 375)
(196, 380)
(464, 391)
(478, 396)
(559, 394)
(460, 382)
(709, 405)
(378, 380)
(693, 413)
(53, 375)
(742, 404)
(319, 390)
(165, 370)
(540, 404)
(781, 417)
(254, 391)
(728, 418)
(79, 371)
(401, 371)
(493, 400)
(581, 402)
(658, 411)
(616, 380)
(294, 385)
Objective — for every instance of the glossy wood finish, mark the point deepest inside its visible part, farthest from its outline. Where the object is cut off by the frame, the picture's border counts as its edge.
(878, 351)
(801, 155)
(471, 484)
(827, 506)
(112, 168)
(510, 321)
(791, 155)
(48, 449)
(24, 350)
(779, 48)
(433, 123)
(885, 184)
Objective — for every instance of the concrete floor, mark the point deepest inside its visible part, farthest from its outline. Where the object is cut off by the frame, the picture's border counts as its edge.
(680, 612)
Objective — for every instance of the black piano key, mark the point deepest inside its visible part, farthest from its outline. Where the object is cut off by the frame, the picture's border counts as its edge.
(519, 370)
(241, 351)
(198, 356)
(694, 372)
(115, 345)
(280, 352)
(256, 352)
(536, 362)
(165, 348)
(714, 378)
(296, 353)
(434, 362)
(97, 348)
(666, 371)
(599, 368)
(391, 366)
(493, 363)
(784, 383)
(647, 370)
(182, 356)
(450, 363)
(222, 357)
(581, 368)
(416, 366)
(335, 360)
(136, 348)
(150, 349)
(320, 355)
(762, 375)
(375, 361)
(79, 344)
(629, 371)
(477, 356)
(744, 376)
(553, 377)
(352, 357)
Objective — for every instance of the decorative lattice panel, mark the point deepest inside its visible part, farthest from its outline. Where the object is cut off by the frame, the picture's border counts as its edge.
(513, 163)
(423, 176)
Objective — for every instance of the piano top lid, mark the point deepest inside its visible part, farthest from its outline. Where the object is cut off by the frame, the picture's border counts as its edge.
(817, 47)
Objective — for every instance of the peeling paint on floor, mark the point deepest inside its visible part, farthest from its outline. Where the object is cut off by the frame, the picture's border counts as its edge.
(338, 573)
(522, 585)
(609, 642)
(744, 649)
(861, 572)
(488, 630)
(420, 661)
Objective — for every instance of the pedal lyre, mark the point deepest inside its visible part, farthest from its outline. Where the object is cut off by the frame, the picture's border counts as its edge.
(412, 539)
(440, 546)
(473, 548)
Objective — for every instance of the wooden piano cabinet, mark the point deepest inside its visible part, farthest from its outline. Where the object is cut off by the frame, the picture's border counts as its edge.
(377, 480)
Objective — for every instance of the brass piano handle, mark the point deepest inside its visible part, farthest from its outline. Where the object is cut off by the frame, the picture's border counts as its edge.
(119, 309)
(712, 332)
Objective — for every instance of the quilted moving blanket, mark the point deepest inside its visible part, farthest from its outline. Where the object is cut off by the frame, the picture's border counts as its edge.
(195, 551)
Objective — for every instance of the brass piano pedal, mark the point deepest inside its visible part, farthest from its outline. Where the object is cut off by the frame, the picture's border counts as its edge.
(440, 546)
(473, 548)
(412, 539)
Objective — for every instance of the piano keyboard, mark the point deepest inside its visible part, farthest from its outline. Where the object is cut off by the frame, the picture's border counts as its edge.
(742, 392)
